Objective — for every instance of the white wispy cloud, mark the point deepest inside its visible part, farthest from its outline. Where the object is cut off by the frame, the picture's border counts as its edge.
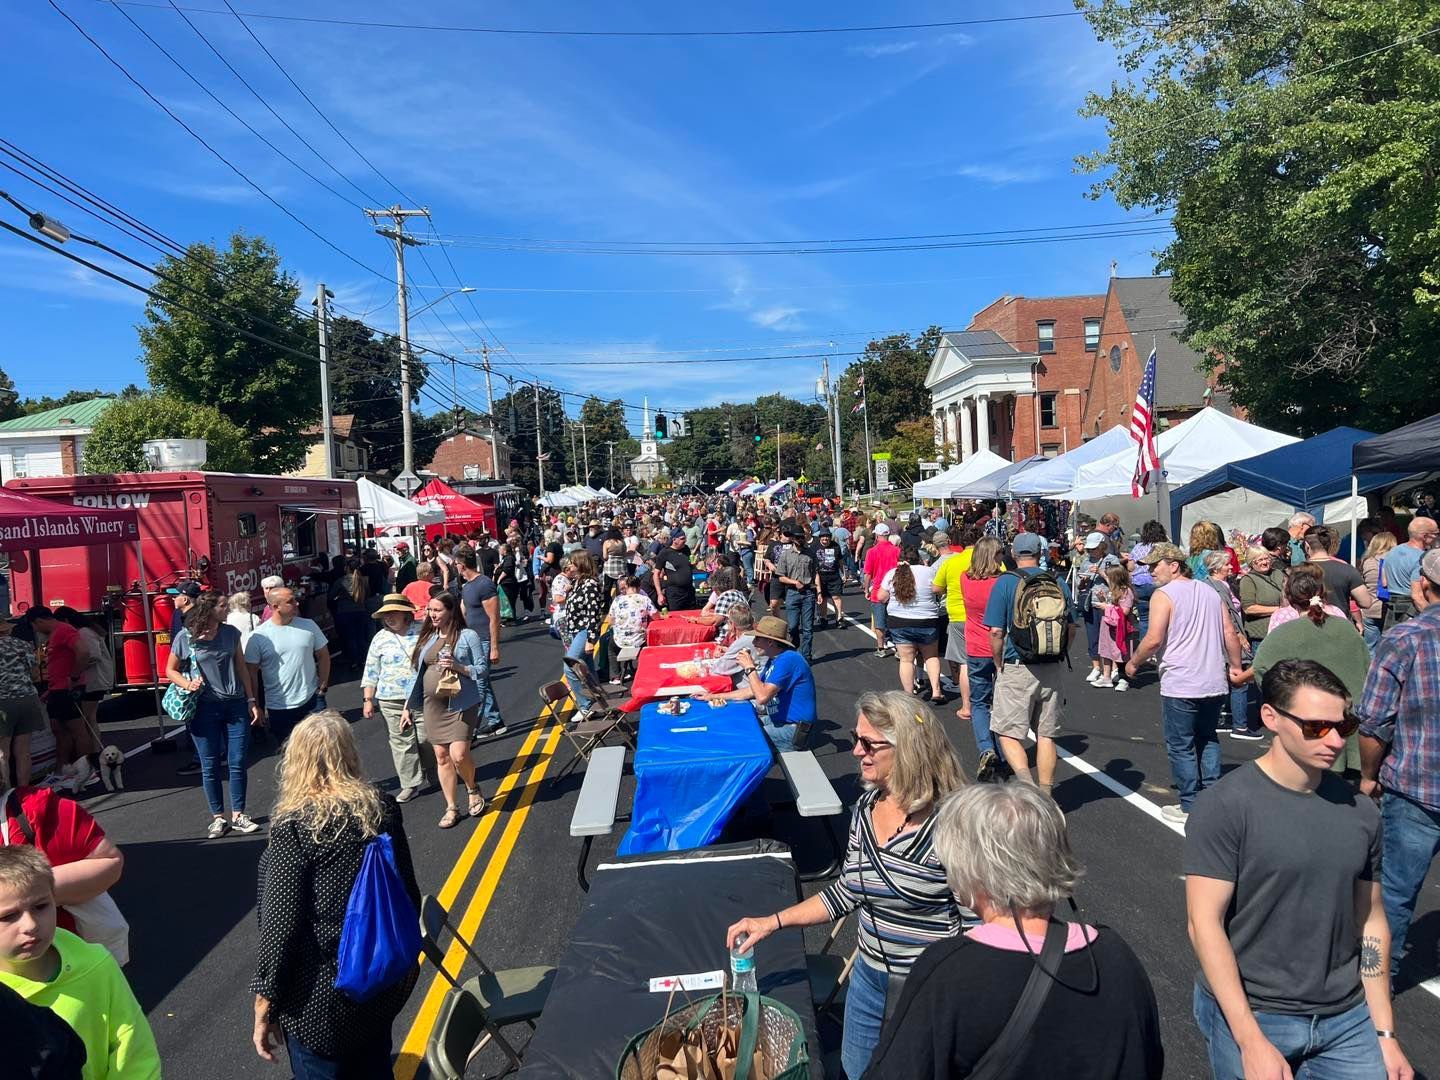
(776, 317)
(897, 48)
(1002, 175)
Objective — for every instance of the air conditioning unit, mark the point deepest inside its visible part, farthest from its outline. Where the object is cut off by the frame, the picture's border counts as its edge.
(174, 455)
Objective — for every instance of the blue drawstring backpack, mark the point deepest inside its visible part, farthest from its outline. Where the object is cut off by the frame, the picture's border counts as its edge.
(380, 940)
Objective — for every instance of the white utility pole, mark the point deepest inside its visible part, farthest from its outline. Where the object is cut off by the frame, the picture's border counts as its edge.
(397, 216)
(539, 454)
(611, 445)
(484, 352)
(322, 329)
(832, 409)
(585, 450)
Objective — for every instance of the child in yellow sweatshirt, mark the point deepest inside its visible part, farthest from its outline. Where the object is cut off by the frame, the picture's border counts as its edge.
(78, 981)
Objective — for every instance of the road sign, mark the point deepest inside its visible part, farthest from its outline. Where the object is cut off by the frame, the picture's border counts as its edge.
(882, 472)
(472, 472)
(407, 483)
(881, 456)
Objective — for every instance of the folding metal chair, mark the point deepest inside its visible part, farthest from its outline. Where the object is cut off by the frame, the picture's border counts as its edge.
(829, 974)
(585, 733)
(473, 1012)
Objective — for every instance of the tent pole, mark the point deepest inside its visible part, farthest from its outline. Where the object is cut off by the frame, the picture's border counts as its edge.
(150, 644)
(1354, 524)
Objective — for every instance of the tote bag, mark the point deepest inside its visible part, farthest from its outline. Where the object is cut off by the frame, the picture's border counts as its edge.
(381, 935)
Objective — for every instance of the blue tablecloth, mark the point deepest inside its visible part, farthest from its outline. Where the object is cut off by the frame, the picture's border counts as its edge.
(691, 772)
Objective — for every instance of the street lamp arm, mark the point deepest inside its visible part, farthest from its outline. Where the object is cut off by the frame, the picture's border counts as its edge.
(440, 298)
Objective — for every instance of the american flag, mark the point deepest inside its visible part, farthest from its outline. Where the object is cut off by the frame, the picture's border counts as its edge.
(1142, 430)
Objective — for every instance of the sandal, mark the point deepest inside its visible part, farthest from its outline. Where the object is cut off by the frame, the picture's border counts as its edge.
(451, 818)
(477, 803)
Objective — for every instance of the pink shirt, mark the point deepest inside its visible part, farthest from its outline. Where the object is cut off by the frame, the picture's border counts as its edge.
(1000, 935)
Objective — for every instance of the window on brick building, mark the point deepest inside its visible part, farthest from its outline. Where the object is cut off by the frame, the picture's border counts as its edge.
(1048, 407)
(1092, 334)
(1050, 449)
(1045, 331)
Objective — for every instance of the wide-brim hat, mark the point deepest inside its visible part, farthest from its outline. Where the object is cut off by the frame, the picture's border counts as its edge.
(774, 628)
(395, 602)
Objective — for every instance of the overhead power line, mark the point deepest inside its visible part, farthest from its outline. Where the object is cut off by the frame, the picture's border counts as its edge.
(950, 24)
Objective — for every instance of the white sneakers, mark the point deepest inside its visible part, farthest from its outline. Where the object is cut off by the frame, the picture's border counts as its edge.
(1105, 682)
(1094, 676)
(1175, 814)
(1121, 685)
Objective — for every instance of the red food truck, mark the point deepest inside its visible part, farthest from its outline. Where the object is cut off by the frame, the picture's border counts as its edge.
(224, 530)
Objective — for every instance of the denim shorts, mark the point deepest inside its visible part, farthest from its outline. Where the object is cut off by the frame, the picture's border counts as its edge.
(913, 635)
(877, 610)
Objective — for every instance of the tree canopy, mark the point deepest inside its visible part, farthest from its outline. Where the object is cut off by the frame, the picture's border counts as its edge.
(894, 369)
(1296, 144)
(365, 381)
(193, 349)
(516, 413)
(115, 443)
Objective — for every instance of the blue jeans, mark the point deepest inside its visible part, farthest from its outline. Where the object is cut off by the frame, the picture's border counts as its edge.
(221, 730)
(369, 1060)
(1142, 607)
(1371, 633)
(1245, 706)
(864, 1016)
(800, 618)
(577, 651)
(781, 736)
(489, 710)
(1191, 745)
(1093, 618)
(747, 562)
(1339, 1047)
(982, 694)
(1411, 836)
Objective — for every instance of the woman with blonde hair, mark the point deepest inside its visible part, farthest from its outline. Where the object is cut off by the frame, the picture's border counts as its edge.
(1381, 544)
(241, 615)
(892, 873)
(325, 815)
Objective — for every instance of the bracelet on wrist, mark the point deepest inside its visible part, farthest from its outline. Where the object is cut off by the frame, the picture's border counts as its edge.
(1384, 1034)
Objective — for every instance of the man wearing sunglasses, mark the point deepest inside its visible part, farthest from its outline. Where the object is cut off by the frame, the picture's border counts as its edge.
(1282, 888)
(1399, 733)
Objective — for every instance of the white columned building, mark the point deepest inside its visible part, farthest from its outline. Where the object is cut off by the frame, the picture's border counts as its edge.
(976, 379)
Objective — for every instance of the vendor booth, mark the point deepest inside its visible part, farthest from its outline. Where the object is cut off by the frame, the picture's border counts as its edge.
(1412, 449)
(993, 485)
(461, 514)
(385, 510)
(1056, 475)
(943, 485)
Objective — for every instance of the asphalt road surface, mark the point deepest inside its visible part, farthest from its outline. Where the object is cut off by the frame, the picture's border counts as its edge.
(510, 876)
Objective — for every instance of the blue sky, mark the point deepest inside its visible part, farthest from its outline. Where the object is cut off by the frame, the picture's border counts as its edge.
(725, 139)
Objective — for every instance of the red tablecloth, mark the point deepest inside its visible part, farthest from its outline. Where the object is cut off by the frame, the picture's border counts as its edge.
(674, 629)
(655, 671)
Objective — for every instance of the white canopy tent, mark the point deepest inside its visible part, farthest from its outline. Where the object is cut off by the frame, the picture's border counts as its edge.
(557, 499)
(1057, 475)
(606, 494)
(777, 487)
(942, 486)
(993, 484)
(385, 510)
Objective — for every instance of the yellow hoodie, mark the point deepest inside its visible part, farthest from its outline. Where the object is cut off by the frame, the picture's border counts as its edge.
(91, 995)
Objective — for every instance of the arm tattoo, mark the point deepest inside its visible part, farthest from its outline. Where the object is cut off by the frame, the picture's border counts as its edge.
(1372, 963)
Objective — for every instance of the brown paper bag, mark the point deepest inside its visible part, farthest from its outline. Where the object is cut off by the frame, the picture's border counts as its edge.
(449, 684)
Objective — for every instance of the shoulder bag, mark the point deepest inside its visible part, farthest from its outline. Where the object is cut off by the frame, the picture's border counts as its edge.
(180, 703)
(998, 1061)
(98, 920)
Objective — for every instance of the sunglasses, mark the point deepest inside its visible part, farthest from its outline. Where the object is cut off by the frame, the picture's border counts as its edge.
(871, 746)
(1318, 729)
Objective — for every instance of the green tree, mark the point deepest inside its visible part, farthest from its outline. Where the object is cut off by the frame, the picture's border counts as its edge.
(365, 381)
(115, 444)
(604, 423)
(1296, 144)
(894, 369)
(516, 411)
(191, 353)
(794, 451)
(9, 399)
(912, 443)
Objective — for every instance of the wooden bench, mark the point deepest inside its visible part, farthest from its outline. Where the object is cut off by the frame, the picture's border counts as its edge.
(599, 799)
(815, 796)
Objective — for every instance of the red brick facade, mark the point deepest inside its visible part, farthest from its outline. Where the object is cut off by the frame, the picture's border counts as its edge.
(1064, 373)
(469, 448)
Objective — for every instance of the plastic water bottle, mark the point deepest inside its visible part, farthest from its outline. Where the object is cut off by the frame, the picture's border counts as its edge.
(742, 967)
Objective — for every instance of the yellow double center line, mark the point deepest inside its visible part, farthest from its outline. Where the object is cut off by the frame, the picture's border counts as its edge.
(412, 1050)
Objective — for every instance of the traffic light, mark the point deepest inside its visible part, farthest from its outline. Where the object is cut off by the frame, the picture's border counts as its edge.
(758, 438)
(662, 426)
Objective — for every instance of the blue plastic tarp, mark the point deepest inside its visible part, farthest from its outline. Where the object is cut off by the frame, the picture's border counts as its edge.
(691, 772)
(1305, 475)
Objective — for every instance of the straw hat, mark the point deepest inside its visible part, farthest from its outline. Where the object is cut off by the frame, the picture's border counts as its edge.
(395, 602)
(773, 628)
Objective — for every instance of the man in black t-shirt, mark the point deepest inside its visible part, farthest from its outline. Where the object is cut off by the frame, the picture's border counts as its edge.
(1343, 582)
(1282, 865)
(673, 577)
(480, 603)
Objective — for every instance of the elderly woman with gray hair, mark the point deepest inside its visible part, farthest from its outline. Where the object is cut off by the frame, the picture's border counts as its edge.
(892, 874)
(1007, 855)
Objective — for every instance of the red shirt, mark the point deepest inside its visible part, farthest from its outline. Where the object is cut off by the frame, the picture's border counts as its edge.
(977, 634)
(64, 830)
(60, 655)
(880, 560)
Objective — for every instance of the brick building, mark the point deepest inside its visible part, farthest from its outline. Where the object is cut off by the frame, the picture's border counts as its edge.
(470, 446)
(1014, 380)
(1139, 312)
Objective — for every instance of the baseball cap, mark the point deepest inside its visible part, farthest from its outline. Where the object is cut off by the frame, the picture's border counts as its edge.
(1027, 543)
(882, 529)
(1096, 539)
(189, 588)
(1164, 551)
(1430, 566)
(401, 545)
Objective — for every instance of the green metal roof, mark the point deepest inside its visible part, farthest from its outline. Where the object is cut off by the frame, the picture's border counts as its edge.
(83, 414)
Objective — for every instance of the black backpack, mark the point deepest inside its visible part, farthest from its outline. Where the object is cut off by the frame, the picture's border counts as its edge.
(1039, 622)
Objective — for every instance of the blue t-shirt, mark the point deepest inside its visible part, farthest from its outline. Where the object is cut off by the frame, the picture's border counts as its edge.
(1401, 566)
(795, 703)
(1002, 604)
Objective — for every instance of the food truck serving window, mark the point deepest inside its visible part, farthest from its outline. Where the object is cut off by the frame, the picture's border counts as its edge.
(297, 533)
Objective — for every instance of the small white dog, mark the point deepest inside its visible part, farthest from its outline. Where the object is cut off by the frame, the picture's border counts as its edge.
(112, 764)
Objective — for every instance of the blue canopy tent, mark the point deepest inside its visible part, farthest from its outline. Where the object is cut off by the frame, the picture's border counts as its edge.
(1304, 475)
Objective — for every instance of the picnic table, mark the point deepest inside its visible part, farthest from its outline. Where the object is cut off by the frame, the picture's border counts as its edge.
(657, 675)
(659, 915)
(691, 773)
(675, 629)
